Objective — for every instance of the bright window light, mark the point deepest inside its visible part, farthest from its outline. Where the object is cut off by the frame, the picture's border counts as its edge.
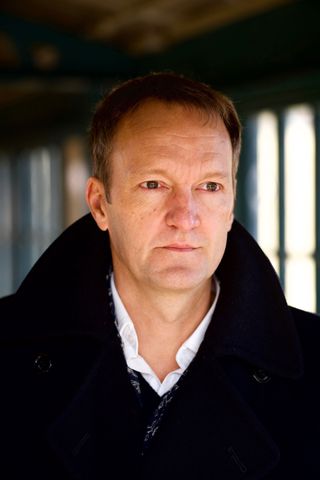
(268, 186)
(300, 207)
(299, 200)
(300, 279)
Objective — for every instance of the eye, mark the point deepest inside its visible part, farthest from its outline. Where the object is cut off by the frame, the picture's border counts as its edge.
(151, 185)
(210, 186)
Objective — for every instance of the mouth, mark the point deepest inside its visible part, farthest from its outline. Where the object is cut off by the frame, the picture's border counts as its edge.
(182, 248)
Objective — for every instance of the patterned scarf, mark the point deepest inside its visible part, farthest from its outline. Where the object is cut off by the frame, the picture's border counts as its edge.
(159, 412)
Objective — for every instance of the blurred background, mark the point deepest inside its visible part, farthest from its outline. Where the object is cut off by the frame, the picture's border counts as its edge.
(56, 59)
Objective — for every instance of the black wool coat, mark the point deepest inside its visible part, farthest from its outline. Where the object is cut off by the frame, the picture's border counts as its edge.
(248, 407)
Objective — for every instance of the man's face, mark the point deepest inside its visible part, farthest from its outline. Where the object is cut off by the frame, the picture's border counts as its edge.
(171, 198)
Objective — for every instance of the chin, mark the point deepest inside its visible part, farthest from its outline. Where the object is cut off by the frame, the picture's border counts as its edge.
(180, 279)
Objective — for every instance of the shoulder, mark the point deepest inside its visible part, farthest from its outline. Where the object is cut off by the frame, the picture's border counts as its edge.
(307, 324)
(308, 328)
(9, 314)
(66, 288)
(6, 303)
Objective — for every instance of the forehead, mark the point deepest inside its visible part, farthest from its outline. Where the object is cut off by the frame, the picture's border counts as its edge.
(170, 138)
(154, 121)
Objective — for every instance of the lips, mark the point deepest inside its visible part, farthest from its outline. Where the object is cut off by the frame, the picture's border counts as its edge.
(180, 248)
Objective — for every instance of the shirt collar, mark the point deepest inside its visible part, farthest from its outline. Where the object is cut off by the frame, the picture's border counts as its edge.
(124, 323)
(193, 342)
(129, 337)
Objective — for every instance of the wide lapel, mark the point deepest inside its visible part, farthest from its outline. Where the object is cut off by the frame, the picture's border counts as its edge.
(101, 422)
(210, 432)
(252, 319)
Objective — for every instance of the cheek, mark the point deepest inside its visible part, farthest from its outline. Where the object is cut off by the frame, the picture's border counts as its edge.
(226, 210)
(219, 212)
(145, 213)
(134, 226)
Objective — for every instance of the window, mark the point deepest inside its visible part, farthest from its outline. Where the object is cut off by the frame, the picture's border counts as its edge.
(286, 199)
(41, 192)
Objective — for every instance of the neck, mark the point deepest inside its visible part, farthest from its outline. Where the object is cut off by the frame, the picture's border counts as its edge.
(164, 320)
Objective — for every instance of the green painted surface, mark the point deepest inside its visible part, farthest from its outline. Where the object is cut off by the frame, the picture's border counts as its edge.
(282, 40)
(76, 56)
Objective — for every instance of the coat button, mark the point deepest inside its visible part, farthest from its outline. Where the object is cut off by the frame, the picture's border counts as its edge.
(43, 363)
(261, 376)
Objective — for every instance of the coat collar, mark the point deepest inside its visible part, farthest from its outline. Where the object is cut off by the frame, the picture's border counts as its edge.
(251, 321)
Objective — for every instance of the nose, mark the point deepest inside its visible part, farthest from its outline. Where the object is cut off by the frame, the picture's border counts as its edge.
(182, 211)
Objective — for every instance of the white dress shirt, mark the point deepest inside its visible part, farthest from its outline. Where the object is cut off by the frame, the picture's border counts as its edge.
(130, 344)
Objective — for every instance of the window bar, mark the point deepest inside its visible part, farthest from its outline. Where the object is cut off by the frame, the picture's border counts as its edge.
(282, 252)
(246, 193)
(317, 209)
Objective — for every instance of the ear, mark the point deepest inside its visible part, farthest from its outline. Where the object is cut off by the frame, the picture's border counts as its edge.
(96, 200)
(230, 221)
(231, 216)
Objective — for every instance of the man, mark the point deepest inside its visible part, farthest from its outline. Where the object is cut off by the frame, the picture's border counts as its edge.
(152, 340)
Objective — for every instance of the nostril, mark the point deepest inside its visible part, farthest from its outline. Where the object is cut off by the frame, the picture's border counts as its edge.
(183, 218)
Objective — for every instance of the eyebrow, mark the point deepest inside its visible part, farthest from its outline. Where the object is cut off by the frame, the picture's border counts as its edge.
(162, 172)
